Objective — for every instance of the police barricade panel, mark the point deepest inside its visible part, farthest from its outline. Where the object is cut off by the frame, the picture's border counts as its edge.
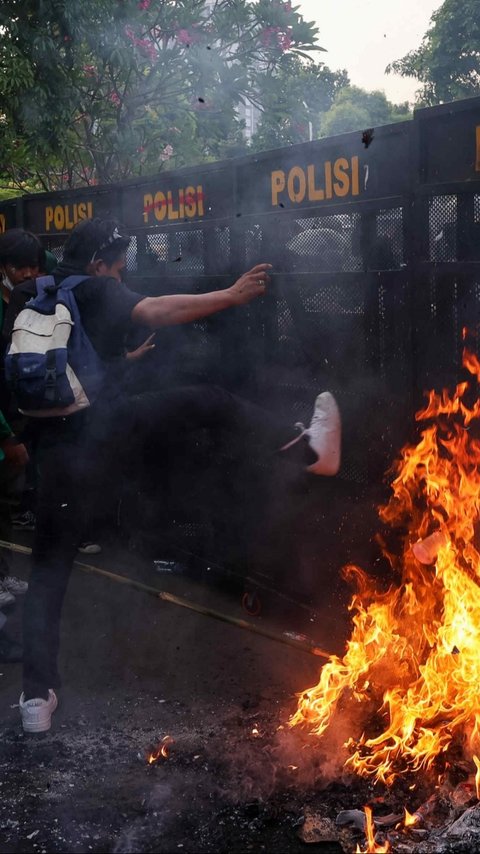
(330, 324)
(188, 258)
(196, 251)
(447, 192)
(449, 143)
(200, 194)
(8, 215)
(55, 215)
(325, 214)
(348, 168)
(373, 241)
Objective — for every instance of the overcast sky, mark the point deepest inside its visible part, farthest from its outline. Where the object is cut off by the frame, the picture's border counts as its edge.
(363, 36)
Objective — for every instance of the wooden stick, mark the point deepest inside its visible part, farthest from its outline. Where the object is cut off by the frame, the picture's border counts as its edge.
(302, 645)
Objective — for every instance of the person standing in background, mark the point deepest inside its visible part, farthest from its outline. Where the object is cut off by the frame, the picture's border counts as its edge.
(21, 257)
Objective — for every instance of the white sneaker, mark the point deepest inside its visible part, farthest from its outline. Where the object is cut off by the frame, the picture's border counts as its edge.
(14, 585)
(6, 598)
(89, 548)
(37, 713)
(325, 434)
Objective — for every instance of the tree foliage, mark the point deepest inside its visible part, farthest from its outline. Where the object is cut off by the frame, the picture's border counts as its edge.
(354, 108)
(294, 98)
(101, 90)
(447, 63)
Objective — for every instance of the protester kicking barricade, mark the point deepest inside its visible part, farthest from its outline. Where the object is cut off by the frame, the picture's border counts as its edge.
(77, 416)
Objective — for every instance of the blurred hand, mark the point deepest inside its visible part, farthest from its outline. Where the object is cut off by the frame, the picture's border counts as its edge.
(15, 455)
(251, 285)
(141, 351)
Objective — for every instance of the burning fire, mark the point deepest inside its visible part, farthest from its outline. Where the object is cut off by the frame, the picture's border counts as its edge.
(410, 820)
(161, 751)
(413, 660)
(477, 776)
(372, 846)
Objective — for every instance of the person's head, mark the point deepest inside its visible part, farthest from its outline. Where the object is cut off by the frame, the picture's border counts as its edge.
(97, 247)
(21, 256)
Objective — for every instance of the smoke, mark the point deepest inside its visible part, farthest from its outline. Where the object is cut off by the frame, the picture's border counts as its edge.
(132, 838)
(290, 759)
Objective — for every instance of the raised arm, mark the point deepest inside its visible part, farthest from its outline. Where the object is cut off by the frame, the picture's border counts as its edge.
(185, 308)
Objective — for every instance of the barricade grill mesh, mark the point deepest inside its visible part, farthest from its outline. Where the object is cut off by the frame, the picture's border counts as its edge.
(442, 228)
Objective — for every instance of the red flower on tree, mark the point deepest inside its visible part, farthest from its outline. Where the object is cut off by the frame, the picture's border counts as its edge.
(271, 37)
(186, 37)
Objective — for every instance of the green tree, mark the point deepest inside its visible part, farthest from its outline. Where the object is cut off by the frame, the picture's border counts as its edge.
(293, 99)
(355, 109)
(447, 63)
(101, 90)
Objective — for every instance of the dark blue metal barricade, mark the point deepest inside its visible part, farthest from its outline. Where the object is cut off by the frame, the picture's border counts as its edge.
(374, 242)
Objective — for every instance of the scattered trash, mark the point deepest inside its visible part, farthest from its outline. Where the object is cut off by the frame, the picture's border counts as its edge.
(355, 817)
(316, 828)
(388, 820)
(426, 550)
(172, 566)
(426, 809)
(463, 793)
(467, 824)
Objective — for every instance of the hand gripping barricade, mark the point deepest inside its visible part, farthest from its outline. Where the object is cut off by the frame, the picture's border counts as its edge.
(51, 365)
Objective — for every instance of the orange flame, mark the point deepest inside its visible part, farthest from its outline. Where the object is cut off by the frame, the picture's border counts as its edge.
(477, 776)
(410, 819)
(161, 751)
(414, 652)
(372, 847)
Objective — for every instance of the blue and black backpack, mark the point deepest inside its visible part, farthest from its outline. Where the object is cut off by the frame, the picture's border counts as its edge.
(51, 365)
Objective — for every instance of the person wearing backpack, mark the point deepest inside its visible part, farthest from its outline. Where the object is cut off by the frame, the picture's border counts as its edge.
(84, 313)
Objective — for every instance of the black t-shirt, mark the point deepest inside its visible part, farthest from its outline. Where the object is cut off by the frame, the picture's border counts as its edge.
(105, 306)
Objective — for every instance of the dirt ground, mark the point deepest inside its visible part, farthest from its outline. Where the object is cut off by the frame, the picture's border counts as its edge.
(136, 670)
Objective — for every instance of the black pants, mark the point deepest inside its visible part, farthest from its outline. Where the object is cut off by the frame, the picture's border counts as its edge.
(11, 487)
(70, 454)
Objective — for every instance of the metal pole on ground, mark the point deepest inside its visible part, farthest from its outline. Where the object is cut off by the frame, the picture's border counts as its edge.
(302, 645)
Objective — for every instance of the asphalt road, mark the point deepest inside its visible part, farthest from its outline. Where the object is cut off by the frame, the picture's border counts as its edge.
(136, 670)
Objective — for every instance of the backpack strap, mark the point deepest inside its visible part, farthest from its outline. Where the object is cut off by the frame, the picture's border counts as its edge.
(50, 376)
(47, 285)
(71, 282)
